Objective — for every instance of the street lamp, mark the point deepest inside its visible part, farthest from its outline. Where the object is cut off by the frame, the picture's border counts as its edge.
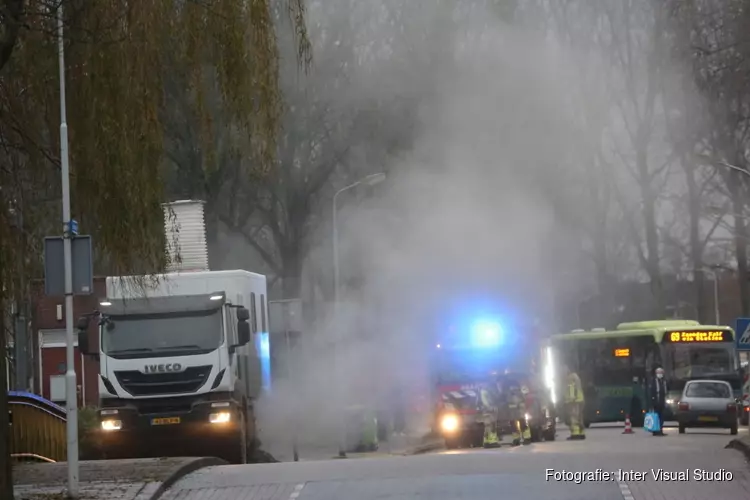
(70, 369)
(716, 293)
(370, 180)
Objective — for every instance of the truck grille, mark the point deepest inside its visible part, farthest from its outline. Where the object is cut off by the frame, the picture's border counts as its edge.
(152, 384)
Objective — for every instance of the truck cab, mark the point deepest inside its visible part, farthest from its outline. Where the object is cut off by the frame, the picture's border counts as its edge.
(179, 374)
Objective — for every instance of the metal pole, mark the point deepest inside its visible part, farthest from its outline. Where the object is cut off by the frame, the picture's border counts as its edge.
(336, 319)
(716, 299)
(70, 369)
(371, 180)
(295, 451)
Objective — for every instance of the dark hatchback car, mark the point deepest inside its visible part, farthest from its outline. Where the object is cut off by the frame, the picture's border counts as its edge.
(707, 403)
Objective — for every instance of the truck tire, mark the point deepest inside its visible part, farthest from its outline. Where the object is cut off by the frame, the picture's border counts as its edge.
(477, 436)
(453, 443)
(549, 434)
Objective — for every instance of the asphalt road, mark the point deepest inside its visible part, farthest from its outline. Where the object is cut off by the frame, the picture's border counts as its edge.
(500, 474)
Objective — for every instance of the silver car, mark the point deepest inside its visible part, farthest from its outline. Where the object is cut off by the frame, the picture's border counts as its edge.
(707, 403)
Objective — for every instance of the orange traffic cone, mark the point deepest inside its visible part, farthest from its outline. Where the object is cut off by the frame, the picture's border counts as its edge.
(628, 427)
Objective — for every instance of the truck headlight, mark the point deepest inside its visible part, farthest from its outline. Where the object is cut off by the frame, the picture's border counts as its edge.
(111, 425)
(670, 401)
(527, 416)
(449, 423)
(220, 418)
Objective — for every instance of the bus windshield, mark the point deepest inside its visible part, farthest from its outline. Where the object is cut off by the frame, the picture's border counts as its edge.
(686, 361)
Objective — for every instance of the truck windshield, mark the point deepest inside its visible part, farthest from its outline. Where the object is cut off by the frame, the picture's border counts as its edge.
(468, 366)
(686, 361)
(165, 334)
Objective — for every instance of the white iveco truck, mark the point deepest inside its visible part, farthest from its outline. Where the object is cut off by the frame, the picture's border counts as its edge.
(181, 364)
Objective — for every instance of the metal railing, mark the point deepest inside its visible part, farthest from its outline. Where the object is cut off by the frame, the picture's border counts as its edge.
(37, 429)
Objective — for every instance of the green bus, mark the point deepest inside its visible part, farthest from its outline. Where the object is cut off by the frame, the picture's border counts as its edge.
(616, 366)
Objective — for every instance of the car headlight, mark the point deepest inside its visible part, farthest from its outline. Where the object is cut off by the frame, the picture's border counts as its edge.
(449, 423)
(527, 416)
(670, 401)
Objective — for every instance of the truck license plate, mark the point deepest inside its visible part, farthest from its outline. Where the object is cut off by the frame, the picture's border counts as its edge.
(708, 419)
(165, 421)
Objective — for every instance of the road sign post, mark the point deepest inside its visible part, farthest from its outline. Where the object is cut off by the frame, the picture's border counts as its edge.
(742, 332)
(69, 271)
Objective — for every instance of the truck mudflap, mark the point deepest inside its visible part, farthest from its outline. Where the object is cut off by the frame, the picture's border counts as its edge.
(207, 428)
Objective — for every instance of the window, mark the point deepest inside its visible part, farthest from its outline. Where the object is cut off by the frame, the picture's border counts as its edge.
(600, 366)
(263, 312)
(253, 314)
(707, 390)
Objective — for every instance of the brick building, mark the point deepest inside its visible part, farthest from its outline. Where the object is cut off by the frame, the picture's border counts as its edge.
(48, 343)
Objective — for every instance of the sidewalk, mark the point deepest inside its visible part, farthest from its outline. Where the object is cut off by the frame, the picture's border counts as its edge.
(140, 479)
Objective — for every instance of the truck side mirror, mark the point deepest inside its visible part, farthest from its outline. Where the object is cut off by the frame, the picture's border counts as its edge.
(83, 339)
(243, 333)
(243, 314)
(83, 323)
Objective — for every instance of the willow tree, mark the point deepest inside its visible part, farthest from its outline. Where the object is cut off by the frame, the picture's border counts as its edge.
(118, 55)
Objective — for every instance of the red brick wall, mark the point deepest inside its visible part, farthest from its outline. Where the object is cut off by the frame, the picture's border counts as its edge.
(45, 318)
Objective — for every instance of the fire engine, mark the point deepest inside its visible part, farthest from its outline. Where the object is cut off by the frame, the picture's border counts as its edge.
(477, 353)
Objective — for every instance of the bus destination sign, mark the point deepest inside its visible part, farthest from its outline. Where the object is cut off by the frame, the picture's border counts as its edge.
(699, 336)
(622, 353)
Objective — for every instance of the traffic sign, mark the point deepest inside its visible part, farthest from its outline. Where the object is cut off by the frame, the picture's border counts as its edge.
(742, 331)
(54, 266)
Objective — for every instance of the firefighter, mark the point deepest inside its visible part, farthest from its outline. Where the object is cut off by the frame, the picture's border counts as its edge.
(489, 398)
(574, 404)
(517, 414)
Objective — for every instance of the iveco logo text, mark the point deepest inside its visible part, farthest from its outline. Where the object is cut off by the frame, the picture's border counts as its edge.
(165, 368)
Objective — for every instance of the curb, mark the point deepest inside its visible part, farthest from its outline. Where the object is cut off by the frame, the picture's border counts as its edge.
(741, 445)
(153, 491)
(425, 448)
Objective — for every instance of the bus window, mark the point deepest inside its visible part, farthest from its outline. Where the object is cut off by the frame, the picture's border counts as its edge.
(603, 367)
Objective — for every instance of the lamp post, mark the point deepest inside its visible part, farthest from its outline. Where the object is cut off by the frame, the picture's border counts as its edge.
(717, 317)
(370, 180)
(70, 369)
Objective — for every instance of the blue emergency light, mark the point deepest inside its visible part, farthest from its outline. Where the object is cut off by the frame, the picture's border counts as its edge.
(486, 333)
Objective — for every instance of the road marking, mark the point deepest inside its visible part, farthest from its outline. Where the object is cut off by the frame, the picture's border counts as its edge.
(298, 490)
(625, 490)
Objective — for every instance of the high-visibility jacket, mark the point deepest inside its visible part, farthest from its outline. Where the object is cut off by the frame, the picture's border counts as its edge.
(574, 393)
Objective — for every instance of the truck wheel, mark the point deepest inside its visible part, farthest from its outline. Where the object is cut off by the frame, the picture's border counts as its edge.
(478, 438)
(549, 434)
(452, 443)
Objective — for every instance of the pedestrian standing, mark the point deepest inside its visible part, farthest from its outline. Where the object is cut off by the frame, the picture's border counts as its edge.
(659, 398)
